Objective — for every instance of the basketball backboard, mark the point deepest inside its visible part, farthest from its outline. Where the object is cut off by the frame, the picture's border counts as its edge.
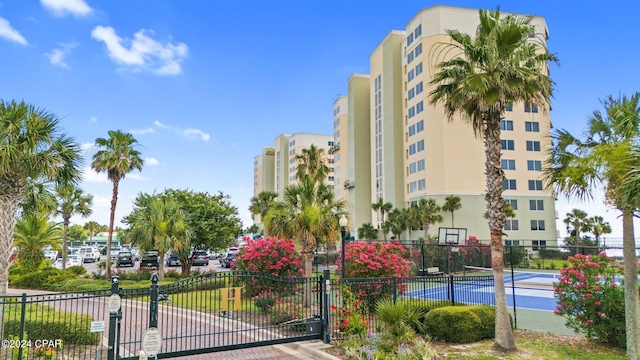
(452, 236)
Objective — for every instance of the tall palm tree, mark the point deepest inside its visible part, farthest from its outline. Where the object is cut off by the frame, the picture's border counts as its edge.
(157, 223)
(397, 222)
(607, 158)
(261, 204)
(576, 222)
(504, 62)
(599, 227)
(32, 149)
(92, 227)
(367, 231)
(412, 218)
(451, 204)
(428, 211)
(34, 232)
(313, 163)
(117, 156)
(382, 207)
(71, 201)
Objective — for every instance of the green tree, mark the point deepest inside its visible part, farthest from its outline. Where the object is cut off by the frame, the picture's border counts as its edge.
(32, 149)
(33, 233)
(261, 203)
(451, 204)
(312, 163)
(505, 62)
(71, 201)
(576, 222)
(92, 228)
(598, 227)
(428, 211)
(413, 220)
(397, 222)
(606, 158)
(367, 231)
(117, 156)
(253, 229)
(382, 207)
(77, 233)
(158, 223)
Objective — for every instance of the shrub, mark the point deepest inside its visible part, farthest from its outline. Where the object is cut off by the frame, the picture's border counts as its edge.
(377, 261)
(173, 274)
(423, 307)
(285, 311)
(43, 279)
(455, 324)
(351, 316)
(588, 295)
(487, 315)
(78, 270)
(270, 256)
(264, 302)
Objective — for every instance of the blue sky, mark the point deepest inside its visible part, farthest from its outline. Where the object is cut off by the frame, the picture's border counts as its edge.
(204, 85)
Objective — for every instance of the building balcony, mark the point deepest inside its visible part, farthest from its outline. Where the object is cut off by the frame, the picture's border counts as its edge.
(334, 148)
(348, 184)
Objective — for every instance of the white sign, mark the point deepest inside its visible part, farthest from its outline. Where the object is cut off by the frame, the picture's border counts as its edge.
(97, 326)
(151, 342)
(115, 302)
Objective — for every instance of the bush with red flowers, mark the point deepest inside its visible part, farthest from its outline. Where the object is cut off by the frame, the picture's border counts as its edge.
(589, 296)
(272, 256)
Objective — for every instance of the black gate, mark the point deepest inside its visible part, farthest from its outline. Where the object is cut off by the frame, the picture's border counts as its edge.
(220, 311)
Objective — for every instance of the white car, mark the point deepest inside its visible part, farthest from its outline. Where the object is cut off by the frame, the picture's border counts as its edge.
(72, 260)
(51, 254)
(89, 254)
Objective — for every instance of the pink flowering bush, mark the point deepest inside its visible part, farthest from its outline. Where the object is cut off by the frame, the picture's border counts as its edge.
(272, 256)
(379, 263)
(588, 295)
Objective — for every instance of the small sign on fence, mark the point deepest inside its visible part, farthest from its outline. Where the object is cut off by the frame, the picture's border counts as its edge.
(151, 342)
(115, 303)
(97, 326)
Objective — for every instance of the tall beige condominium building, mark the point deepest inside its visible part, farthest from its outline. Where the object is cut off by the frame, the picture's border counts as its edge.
(263, 174)
(340, 141)
(287, 147)
(445, 158)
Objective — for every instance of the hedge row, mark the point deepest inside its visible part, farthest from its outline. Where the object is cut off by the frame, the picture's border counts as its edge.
(461, 324)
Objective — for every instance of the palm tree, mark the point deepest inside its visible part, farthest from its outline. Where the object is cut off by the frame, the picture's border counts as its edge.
(607, 158)
(428, 211)
(451, 204)
(92, 227)
(33, 233)
(261, 204)
(367, 231)
(32, 149)
(71, 201)
(157, 223)
(599, 227)
(397, 222)
(383, 207)
(117, 157)
(576, 222)
(313, 163)
(412, 218)
(505, 62)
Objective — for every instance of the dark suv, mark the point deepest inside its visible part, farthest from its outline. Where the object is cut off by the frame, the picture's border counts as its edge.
(150, 259)
(125, 258)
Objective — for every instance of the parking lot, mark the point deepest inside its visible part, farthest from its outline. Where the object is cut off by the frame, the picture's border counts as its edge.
(213, 265)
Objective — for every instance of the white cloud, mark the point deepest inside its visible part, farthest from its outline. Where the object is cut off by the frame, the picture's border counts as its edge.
(159, 124)
(91, 176)
(138, 177)
(6, 31)
(141, 131)
(86, 147)
(56, 56)
(151, 161)
(144, 53)
(93, 119)
(195, 133)
(62, 7)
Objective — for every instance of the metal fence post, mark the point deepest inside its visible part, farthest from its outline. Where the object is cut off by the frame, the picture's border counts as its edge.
(325, 286)
(113, 320)
(452, 290)
(395, 289)
(22, 323)
(513, 289)
(153, 307)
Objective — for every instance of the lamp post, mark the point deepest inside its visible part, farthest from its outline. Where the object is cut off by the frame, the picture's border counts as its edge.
(343, 231)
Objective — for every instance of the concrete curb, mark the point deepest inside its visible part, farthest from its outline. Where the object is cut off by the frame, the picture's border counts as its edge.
(312, 348)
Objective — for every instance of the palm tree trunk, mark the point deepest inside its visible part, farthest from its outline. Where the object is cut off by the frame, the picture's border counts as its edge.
(630, 287)
(426, 231)
(504, 334)
(65, 230)
(9, 205)
(308, 273)
(160, 265)
(452, 224)
(112, 216)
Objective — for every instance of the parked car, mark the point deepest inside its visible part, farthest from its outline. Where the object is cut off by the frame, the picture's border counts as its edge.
(51, 254)
(89, 254)
(172, 260)
(136, 254)
(114, 252)
(72, 260)
(150, 259)
(229, 260)
(200, 258)
(125, 258)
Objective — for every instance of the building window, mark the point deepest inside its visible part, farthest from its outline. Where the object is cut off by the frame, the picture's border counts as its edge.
(411, 94)
(508, 107)
(410, 75)
(412, 112)
(513, 203)
(336, 135)
(537, 245)
(511, 225)
(535, 185)
(410, 57)
(412, 168)
(534, 165)
(412, 149)
(419, 107)
(418, 31)
(420, 145)
(509, 184)
(418, 50)
(412, 186)
(330, 178)
(512, 242)
(530, 107)
(292, 142)
(292, 169)
(422, 184)
(508, 145)
(508, 164)
(506, 125)
(418, 69)
(292, 160)
(420, 165)
(412, 130)
(536, 205)
(419, 87)
(419, 126)
(409, 39)
(533, 145)
(537, 225)
(532, 126)
(330, 143)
